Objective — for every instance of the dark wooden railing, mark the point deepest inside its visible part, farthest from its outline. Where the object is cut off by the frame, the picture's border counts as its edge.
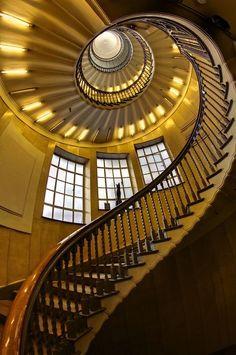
(51, 310)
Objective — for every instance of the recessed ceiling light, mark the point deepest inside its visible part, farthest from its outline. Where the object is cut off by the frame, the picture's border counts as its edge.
(14, 20)
(14, 71)
(32, 106)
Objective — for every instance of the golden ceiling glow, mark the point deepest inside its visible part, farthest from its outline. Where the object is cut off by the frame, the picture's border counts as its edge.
(120, 132)
(178, 80)
(22, 91)
(132, 129)
(152, 117)
(142, 124)
(70, 131)
(14, 20)
(32, 106)
(45, 116)
(174, 91)
(160, 110)
(83, 134)
(11, 48)
(20, 71)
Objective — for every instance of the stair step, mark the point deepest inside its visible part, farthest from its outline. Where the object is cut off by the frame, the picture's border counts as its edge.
(78, 293)
(205, 188)
(92, 281)
(195, 202)
(221, 159)
(163, 240)
(226, 142)
(214, 174)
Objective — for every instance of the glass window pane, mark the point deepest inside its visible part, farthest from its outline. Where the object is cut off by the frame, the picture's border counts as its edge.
(153, 167)
(60, 186)
(68, 201)
(110, 182)
(128, 193)
(111, 193)
(47, 211)
(68, 216)
(157, 157)
(80, 169)
(49, 197)
(161, 146)
(167, 162)
(165, 155)
(154, 149)
(62, 175)
(59, 199)
(150, 159)
(70, 177)
(79, 180)
(100, 163)
(109, 173)
(140, 152)
(101, 172)
(143, 161)
(117, 173)
(58, 214)
(123, 163)
(71, 166)
(78, 217)
(108, 163)
(112, 203)
(53, 171)
(160, 166)
(115, 163)
(51, 183)
(63, 163)
(78, 191)
(102, 193)
(125, 172)
(69, 189)
(147, 179)
(101, 182)
(147, 151)
(101, 204)
(55, 160)
(126, 182)
(145, 169)
(78, 204)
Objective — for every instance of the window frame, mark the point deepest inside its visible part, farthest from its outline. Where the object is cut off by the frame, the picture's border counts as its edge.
(112, 157)
(70, 158)
(150, 174)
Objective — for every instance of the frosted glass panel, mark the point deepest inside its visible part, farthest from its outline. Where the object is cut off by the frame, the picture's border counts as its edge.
(49, 196)
(47, 211)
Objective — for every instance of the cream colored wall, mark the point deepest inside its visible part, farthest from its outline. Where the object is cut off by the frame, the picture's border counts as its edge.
(21, 251)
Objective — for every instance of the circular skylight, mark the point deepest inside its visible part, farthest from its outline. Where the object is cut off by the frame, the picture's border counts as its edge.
(107, 45)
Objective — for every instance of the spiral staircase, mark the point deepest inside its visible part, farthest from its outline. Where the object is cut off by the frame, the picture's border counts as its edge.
(65, 301)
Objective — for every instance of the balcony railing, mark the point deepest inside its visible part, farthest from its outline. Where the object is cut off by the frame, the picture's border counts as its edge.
(120, 97)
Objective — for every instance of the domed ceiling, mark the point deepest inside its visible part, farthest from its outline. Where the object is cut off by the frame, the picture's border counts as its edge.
(67, 73)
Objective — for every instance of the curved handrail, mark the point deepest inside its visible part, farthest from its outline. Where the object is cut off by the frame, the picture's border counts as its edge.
(30, 290)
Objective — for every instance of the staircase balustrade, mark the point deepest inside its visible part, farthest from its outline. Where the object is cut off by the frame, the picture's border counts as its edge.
(51, 310)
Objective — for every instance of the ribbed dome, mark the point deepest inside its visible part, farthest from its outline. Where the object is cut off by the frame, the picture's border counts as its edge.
(107, 45)
(45, 52)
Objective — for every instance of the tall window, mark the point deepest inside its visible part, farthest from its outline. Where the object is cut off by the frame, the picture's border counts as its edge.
(154, 158)
(65, 189)
(112, 170)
